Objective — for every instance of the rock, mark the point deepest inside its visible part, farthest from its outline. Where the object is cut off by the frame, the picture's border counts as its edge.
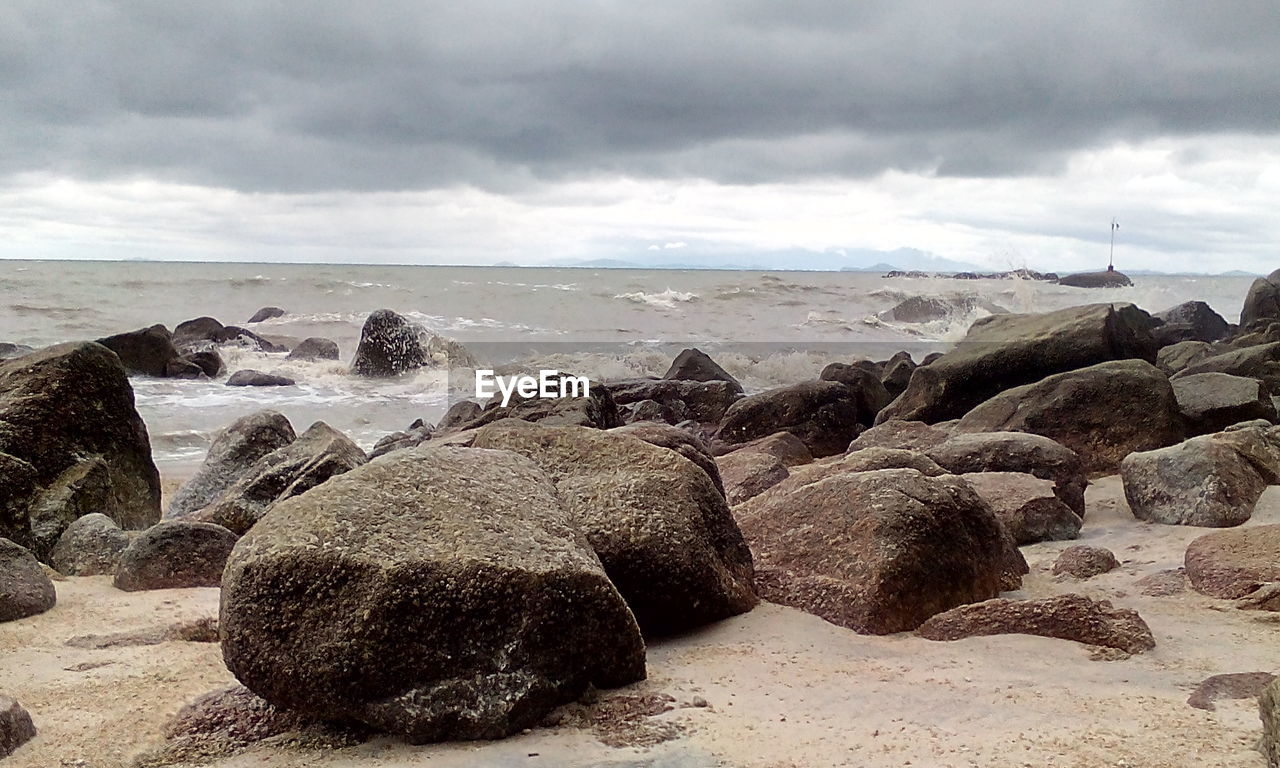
(786, 447)
(1175, 357)
(173, 555)
(925, 309)
(90, 546)
(1269, 710)
(647, 410)
(16, 727)
(1108, 278)
(183, 369)
(682, 442)
(398, 441)
(1035, 455)
(1026, 506)
(1260, 362)
(1211, 402)
(897, 376)
(1084, 562)
(226, 722)
(1103, 412)
(907, 435)
(9, 350)
(659, 525)
(315, 456)
(597, 410)
(458, 414)
(208, 361)
(1264, 598)
(93, 453)
(315, 348)
(1234, 563)
(749, 473)
(1262, 303)
(266, 313)
(482, 604)
(1237, 685)
(203, 333)
(251, 378)
(1212, 480)
(390, 345)
(25, 590)
(696, 365)
(1267, 332)
(876, 552)
(1066, 617)
(147, 351)
(234, 450)
(1194, 320)
(702, 401)
(867, 388)
(1163, 583)
(872, 459)
(1004, 351)
(823, 414)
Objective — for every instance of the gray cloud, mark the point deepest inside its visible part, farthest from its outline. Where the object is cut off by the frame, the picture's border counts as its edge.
(337, 95)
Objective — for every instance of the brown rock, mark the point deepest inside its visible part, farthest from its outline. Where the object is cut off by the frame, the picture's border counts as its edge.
(1233, 563)
(679, 440)
(788, 448)
(749, 473)
(823, 414)
(1269, 711)
(1026, 506)
(1237, 685)
(1264, 598)
(1016, 452)
(1084, 562)
(908, 435)
(1066, 617)
(25, 590)
(173, 555)
(16, 727)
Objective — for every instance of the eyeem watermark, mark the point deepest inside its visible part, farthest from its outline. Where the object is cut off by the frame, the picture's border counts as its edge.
(547, 384)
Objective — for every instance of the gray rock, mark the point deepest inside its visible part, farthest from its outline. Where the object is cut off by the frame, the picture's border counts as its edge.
(204, 333)
(391, 345)
(681, 441)
(1262, 303)
(906, 435)
(77, 399)
(1211, 402)
(867, 388)
(1016, 452)
(147, 351)
(234, 450)
(897, 376)
(266, 313)
(702, 401)
(749, 473)
(823, 414)
(25, 590)
(315, 348)
(90, 546)
(10, 350)
(174, 555)
(1066, 617)
(398, 441)
(598, 410)
(1211, 480)
(458, 414)
(696, 365)
(1001, 352)
(315, 456)
(251, 378)
(1103, 412)
(1176, 357)
(1108, 278)
(434, 593)
(1269, 711)
(661, 528)
(1260, 362)
(16, 727)
(1194, 321)
(208, 361)
(1026, 506)
(877, 552)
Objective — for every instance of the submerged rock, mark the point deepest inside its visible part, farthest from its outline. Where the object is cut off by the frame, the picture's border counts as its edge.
(1066, 617)
(315, 348)
(391, 345)
(252, 378)
(434, 593)
(266, 313)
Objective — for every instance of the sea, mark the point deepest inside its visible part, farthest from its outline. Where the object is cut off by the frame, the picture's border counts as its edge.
(766, 328)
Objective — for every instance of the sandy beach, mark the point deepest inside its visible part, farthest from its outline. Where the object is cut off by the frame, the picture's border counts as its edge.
(774, 688)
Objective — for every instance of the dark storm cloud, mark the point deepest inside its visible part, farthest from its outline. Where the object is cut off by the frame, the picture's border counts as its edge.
(306, 96)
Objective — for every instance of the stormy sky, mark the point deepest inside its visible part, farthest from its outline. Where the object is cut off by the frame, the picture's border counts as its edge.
(999, 133)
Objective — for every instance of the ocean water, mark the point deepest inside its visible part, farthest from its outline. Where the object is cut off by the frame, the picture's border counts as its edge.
(766, 328)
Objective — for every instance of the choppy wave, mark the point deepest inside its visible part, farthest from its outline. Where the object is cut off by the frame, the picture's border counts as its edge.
(666, 299)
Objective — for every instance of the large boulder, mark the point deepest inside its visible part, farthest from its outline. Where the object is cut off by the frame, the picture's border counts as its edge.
(314, 348)
(661, 528)
(417, 434)
(174, 555)
(1066, 617)
(1231, 564)
(823, 414)
(204, 333)
(1001, 352)
(148, 351)
(749, 473)
(784, 446)
(1016, 452)
(877, 552)
(867, 388)
(25, 590)
(1262, 303)
(1103, 412)
(1269, 711)
(679, 440)
(16, 727)
(1176, 357)
(234, 450)
(1190, 321)
(1214, 401)
(1107, 278)
(906, 435)
(92, 453)
(91, 546)
(315, 456)
(598, 409)
(1260, 362)
(1211, 480)
(433, 593)
(1026, 506)
(391, 345)
(703, 401)
(696, 365)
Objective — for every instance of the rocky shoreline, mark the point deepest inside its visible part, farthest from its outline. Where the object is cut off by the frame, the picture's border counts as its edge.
(518, 567)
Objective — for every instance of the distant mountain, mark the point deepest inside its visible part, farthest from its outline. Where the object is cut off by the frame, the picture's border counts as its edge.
(693, 257)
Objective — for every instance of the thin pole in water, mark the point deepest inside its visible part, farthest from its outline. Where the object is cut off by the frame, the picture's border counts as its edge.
(1111, 260)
